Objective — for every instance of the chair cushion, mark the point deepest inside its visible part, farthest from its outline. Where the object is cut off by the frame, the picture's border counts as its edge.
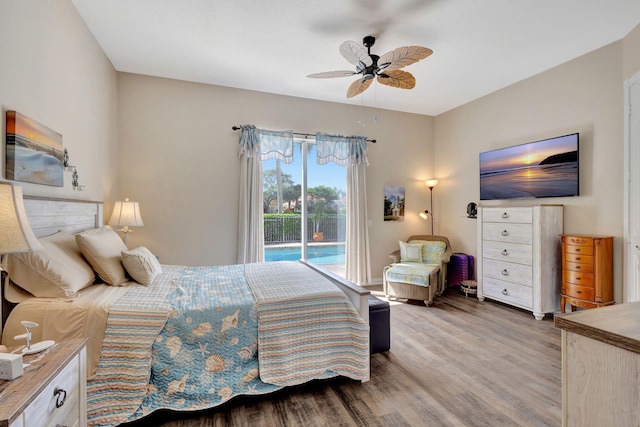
(410, 252)
(432, 250)
(414, 273)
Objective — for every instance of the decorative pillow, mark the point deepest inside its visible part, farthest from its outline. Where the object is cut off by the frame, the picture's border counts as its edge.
(410, 252)
(102, 247)
(432, 250)
(56, 271)
(141, 265)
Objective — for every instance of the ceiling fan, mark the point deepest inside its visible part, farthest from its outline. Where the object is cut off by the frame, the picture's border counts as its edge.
(386, 67)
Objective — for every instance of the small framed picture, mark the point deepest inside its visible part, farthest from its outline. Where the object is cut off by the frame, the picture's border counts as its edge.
(393, 203)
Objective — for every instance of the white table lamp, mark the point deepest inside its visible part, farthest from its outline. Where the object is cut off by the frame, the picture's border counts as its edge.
(16, 236)
(126, 214)
(15, 233)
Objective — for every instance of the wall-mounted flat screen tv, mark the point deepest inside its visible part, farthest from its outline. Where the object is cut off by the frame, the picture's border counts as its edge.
(547, 168)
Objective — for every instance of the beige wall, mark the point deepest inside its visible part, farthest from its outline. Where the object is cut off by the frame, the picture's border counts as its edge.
(631, 53)
(584, 95)
(54, 72)
(179, 159)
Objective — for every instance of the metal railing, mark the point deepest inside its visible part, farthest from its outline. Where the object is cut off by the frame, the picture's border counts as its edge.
(287, 228)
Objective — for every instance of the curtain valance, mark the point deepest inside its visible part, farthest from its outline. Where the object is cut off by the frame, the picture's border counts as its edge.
(270, 144)
(342, 150)
(274, 144)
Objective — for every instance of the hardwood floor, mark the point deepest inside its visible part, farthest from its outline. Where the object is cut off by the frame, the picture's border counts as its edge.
(457, 363)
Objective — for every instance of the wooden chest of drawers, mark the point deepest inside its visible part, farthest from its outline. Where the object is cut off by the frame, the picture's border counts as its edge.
(587, 271)
(519, 256)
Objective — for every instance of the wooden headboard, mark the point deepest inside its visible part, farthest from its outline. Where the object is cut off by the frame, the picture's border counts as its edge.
(48, 215)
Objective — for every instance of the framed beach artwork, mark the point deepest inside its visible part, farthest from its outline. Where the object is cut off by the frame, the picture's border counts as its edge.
(34, 153)
(393, 203)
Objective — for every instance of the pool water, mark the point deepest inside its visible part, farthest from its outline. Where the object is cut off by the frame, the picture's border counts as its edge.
(325, 254)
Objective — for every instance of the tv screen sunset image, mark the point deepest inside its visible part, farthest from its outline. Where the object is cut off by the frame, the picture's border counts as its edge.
(547, 168)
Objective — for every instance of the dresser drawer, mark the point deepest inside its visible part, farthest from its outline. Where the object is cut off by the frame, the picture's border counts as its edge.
(578, 240)
(509, 215)
(578, 278)
(510, 293)
(508, 252)
(512, 233)
(578, 250)
(43, 412)
(509, 272)
(577, 291)
(579, 266)
(585, 259)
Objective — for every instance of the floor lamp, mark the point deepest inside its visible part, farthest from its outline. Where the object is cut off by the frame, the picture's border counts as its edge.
(426, 214)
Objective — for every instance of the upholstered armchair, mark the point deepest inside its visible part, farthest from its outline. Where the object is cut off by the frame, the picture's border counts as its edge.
(418, 270)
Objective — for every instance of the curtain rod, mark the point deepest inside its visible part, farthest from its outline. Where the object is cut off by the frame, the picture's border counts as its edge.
(373, 141)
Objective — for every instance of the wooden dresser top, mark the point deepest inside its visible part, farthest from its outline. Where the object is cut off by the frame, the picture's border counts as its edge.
(617, 325)
(15, 395)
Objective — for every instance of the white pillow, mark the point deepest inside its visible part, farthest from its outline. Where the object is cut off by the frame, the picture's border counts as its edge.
(410, 252)
(141, 265)
(58, 270)
(102, 248)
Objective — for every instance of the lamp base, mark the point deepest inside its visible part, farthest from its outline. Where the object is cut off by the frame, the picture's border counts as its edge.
(38, 347)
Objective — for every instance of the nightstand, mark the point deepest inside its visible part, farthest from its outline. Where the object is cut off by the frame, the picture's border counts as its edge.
(52, 391)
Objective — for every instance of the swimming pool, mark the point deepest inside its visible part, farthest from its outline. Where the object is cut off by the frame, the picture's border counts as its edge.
(321, 254)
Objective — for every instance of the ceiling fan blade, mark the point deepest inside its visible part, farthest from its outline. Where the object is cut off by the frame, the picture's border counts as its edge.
(398, 78)
(330, 74)
(402, 56)
(358, 87)
(355, 53)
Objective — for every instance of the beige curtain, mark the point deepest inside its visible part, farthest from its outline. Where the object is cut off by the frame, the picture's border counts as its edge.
(256, 145)
(250, 227)
(352, 152)
(358, 264)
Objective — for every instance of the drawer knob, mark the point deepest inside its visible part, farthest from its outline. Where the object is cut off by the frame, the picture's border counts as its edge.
(577, 258)
(505, 292)
(577, 267)
(505, 272)
(505, 215)
(505, 252)
(61, 396)
(505, 232)
(578, 292)
(577, 249)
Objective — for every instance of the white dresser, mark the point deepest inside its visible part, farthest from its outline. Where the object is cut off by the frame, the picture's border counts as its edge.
(52, 390)
(519, 256)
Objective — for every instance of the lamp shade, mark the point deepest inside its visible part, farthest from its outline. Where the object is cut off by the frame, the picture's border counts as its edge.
(431, 183)
(126, 213)
(15, 233)
(425, 214)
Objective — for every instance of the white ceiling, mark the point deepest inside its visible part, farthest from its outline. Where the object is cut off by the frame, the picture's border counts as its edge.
(271, 45)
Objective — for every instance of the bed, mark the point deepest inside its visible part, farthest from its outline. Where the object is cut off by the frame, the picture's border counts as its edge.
(182, 337)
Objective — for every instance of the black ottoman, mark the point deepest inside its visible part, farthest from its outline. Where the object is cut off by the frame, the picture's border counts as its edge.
(379, 327)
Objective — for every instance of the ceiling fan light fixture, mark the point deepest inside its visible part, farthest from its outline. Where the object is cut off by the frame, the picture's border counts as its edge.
(370, 65)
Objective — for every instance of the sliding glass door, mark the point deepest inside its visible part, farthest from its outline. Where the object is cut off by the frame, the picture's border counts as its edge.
(305, 209)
